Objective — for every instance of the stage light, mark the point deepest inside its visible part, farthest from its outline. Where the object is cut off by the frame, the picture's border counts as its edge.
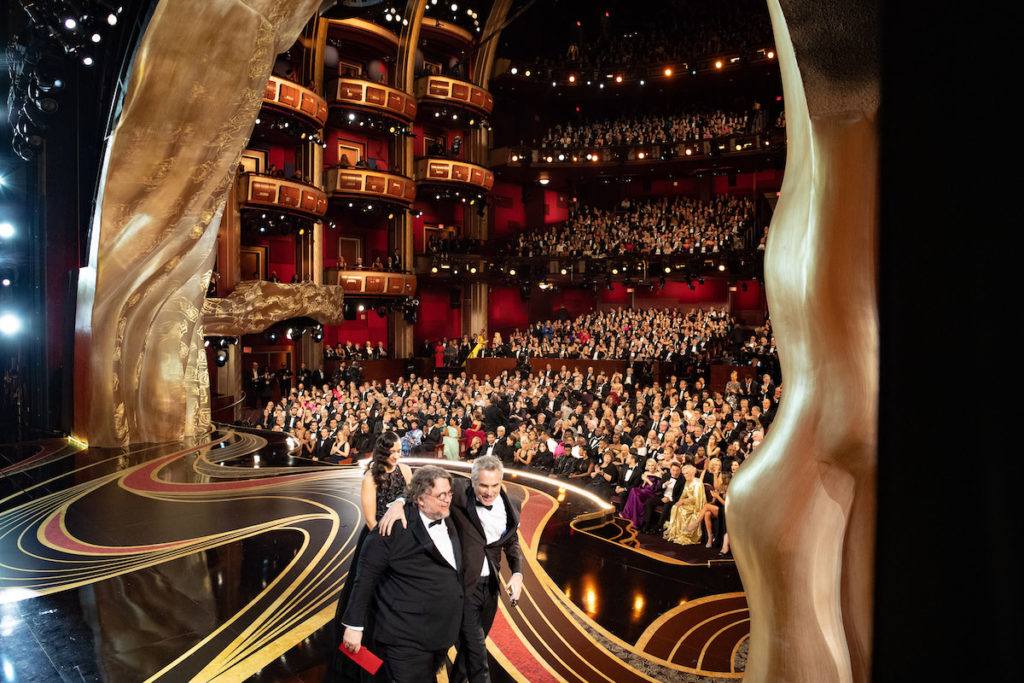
(544, 181)
(527, 73)
(564, 271)
(596, 158)
(112, 19)
(221, 358)
(513, 71)
(472, 269)
(643, 82)
(290, 334)
(718, 63)
(668, 269)
(70, 24)
(689, 152)
(721, 266)
(511, 271)
(615, 271)
(455, 8)
(96, 37)
(360, 308)
(515, 158)
(668, 72)
(561, 157)
(87, 60)
(771, 55)
(640, 155)
(10, 324)
(206, 343)
(6, 231)
(618, 79)
(272, 336)
(572, 79)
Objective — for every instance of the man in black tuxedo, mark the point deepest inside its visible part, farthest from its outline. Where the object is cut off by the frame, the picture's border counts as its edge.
(653, 521)
(487, 519)
(632, 476)
(413, 577)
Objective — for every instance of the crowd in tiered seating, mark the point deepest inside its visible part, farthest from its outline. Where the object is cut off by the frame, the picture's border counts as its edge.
(602, 431)
(653, 129)
(662, 226)
(678, 31)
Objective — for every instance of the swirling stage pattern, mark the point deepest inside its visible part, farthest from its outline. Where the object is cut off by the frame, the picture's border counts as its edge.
(222, 560)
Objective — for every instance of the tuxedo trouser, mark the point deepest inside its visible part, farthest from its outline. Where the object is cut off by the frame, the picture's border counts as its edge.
(403, 664)
(477, 616)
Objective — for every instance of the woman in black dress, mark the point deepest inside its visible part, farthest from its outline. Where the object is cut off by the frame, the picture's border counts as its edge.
(384, 481)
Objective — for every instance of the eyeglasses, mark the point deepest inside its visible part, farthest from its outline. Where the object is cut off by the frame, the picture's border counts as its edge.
(446, 495)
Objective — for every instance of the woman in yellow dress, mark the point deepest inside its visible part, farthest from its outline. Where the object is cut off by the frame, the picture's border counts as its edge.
(682, 527)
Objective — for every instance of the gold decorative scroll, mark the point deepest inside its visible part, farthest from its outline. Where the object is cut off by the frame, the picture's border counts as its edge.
(802, 509)
(196, 86)
(255, 305)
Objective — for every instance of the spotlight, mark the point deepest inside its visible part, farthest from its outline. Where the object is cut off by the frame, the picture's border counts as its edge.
(718, 63)
(513, 71)
(272, 336)
(640, 155)
(87, 60)
(511, 271)
(771, 54)
(668, 72)
(721, 266)
(10, 324)
(70, 24)
(360, 308)
(290, 334)
(618, 79)
(6, 231)
(112, 19)
(572, 79)
(96, 38)
(221, 358)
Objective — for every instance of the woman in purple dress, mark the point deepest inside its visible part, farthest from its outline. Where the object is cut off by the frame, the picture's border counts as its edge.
(648, 488)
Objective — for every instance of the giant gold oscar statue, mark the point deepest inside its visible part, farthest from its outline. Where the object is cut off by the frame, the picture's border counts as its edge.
(802, 509)
(196, 85)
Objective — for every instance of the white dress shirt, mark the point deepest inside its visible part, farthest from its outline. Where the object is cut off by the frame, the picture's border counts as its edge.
(439, 535)
(494, 522)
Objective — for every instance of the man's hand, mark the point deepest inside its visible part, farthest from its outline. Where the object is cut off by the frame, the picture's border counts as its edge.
(515, 586)
(396, 512)
(352, 640)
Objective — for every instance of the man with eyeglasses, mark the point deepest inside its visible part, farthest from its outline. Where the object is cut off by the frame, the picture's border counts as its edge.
(411, 578)
(487, 520)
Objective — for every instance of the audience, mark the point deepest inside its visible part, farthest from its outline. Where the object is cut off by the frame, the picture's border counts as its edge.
(655, 227)
(648, 130)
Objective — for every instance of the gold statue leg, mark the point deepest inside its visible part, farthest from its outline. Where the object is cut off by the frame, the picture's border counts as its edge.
(196, 87)
(802, 510)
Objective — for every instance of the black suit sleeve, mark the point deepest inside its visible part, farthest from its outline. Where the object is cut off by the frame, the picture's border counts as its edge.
(375, 557)
(513, 554)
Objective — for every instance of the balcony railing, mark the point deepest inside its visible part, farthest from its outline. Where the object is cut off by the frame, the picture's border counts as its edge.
(297, 99)
(444, 90)
(372, 282)
(360, 94)
(289, 195)
(434, 170)
(366, 184)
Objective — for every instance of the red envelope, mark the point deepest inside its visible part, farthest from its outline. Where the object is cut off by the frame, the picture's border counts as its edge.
(364, 658)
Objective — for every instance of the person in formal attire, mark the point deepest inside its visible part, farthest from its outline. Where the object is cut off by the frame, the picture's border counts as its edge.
(650, 485)
(412, 578)
(631, 477)
(683, 526)
(384, 482)
(487, 520)
(672, 489)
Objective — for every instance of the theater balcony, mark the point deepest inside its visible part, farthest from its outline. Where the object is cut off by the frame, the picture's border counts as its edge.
(453, 175)
(364, 184)
(284, 96)
(371, 282)
(349, 95)
(441, 34)
(445, 93)
(359, 36)
(262, 191)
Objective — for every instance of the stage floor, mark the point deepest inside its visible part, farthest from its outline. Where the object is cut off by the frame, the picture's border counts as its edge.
(222, 559)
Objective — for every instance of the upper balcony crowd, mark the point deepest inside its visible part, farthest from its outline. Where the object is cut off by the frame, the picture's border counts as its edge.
(655, 129)
(661, 226)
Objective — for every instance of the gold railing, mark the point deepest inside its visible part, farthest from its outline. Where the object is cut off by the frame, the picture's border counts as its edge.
(363, 183)
(440, 170)
(354, 92)
(291, 195)
(371, 282)
(452, 91)
(294, 97)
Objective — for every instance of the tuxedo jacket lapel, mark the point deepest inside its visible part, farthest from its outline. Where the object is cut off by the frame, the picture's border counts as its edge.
(419, 532)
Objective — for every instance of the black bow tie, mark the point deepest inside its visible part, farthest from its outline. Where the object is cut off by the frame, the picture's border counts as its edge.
(435, 522)
(486, 507)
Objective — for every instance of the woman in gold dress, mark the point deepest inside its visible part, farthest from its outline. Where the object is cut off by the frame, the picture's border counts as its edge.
(682, 527)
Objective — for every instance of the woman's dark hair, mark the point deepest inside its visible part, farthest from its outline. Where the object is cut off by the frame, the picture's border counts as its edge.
(379, 459)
